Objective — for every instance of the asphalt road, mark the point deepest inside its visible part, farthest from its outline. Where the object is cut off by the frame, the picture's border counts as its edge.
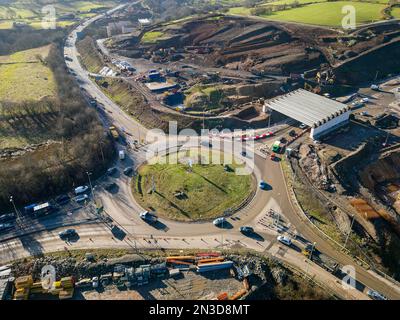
(123, 210)
(269, 171)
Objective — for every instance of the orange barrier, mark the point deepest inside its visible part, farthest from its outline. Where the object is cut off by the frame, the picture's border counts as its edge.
(238, 294)
(204, 261)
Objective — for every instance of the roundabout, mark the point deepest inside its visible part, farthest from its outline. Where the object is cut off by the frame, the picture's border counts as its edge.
(193, 185)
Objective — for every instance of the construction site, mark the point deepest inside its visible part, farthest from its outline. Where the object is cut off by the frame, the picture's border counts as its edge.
(222, 71)
(201, 276)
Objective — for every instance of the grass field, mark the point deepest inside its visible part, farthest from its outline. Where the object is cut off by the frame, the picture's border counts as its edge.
(330, 13)
(396, 13)
(208, 189)
(24, 77)
(152, 36)
(30, 11)
(320, 12)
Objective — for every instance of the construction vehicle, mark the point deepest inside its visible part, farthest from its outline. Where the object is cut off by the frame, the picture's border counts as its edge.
(276, 147)
(320, 259)
(24, 287)
(114, 132)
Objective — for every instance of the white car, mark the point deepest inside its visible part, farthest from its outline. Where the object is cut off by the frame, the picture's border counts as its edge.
(303, 126)
(81, 189)
(81, 198)
(375, 87)
(285, 240)
(219, 221)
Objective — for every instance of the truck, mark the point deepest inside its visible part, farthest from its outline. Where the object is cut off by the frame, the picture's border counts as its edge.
(321, 259)
(276, 147)
(114, 132)
(43, 209)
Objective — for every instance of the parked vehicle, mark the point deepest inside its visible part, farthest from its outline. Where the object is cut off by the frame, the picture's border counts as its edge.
(276, 147)
(148, 217)
(219, 221)
(375, 295)
(320, 258)
(303, 126)
(285, 240)
(246, 229)
(243, 153)
(375, 87)
(66, 234)
(81, 198)
(81, 189)
(121, 155)
(43, 209)
(29, 209)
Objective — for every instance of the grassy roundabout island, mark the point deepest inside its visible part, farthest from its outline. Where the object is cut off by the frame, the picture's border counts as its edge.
(190, 190)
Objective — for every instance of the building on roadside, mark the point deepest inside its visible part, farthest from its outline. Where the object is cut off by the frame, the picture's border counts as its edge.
(321, 114)
(144, 22)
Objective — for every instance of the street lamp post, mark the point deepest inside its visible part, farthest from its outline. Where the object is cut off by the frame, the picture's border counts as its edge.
(15, 210)
(351, 227)
(310, 257)
(90, 183)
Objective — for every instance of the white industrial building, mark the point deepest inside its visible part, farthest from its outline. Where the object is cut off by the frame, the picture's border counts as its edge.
(322, 114)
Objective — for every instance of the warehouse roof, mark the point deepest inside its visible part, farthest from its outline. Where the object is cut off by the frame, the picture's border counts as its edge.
(306, 107)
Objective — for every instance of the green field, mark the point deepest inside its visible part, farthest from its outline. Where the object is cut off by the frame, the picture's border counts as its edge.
(25, 80)
(320, 12)
(330, 13)
(152, 36)
(208, 189)
(24, 77)
(30, 11)
(396, 13)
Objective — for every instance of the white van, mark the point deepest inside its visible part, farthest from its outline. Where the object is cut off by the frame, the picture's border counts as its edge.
(121, 155)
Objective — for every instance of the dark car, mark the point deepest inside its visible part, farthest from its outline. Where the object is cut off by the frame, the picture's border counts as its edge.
(128, 171)
(66, 234)
(63, 199)
(246, 229)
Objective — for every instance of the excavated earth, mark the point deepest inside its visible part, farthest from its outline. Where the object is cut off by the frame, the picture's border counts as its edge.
(259, 46)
